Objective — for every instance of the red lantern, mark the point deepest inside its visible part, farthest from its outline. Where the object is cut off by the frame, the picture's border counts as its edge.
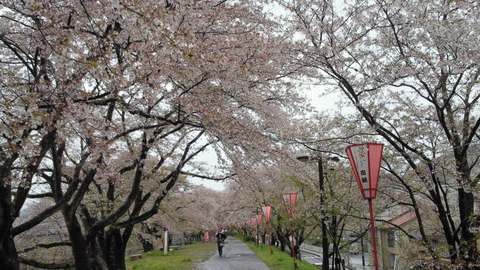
(289, 200)
(365, 160)
(267, 210)
(259, 219)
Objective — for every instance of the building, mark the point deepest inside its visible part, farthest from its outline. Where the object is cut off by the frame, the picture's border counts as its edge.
(392, 241)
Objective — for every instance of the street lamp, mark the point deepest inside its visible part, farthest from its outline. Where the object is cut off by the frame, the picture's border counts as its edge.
(325, 256)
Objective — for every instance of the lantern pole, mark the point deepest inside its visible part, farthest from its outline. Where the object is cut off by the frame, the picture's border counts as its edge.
(292, 198)
(266, 212)
(269, 237)
(292, 244)
(374, 238)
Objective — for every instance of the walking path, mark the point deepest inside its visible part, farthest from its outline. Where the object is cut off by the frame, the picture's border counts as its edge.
(236, 256)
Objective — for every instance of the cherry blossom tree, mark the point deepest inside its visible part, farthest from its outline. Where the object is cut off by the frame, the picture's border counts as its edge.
(185, 212)
(410, 68)
(103, 100)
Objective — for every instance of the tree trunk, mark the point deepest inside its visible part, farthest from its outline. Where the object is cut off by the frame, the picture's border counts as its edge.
(8, 252)
(273, 240)
(79, 243)
(284, 240)
(282, 246)
(147, 245)
(8, 255)
(114, 250)
(447, 230)
(468, 250)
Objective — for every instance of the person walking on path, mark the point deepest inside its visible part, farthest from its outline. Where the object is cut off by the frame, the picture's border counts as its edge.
(221, 242)
(237, 256)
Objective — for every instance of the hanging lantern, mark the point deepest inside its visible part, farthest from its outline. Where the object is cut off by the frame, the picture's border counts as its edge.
(365, 161)
(289, 201)
(267, 210)
(259, 219)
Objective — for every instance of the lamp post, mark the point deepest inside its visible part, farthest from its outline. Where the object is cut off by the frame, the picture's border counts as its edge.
(365, 160)
(289, 200)
(321, 180)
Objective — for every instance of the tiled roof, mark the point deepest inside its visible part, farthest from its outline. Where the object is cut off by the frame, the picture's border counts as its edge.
(401, 219)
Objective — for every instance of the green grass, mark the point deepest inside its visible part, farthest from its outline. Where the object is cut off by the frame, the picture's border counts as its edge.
(185, 258)
(278, 260)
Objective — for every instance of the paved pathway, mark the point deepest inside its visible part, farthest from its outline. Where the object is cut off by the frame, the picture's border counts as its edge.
(236, 256)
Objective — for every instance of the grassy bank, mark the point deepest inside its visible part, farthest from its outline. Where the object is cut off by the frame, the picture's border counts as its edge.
(184, 258)
(278, 260)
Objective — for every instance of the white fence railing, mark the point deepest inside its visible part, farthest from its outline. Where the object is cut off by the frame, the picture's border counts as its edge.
(352, 261)
(311, 249)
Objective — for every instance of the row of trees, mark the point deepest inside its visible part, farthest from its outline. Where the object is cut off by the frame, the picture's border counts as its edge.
(343, 211)
(411, 71)
(406, 74)
(346, 214)
(105, 104)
